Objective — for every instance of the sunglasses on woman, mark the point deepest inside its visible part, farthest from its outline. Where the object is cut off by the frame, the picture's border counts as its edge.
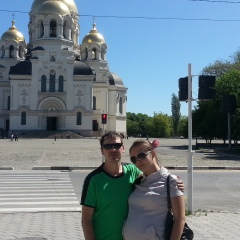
(140, 156)
(112, 145)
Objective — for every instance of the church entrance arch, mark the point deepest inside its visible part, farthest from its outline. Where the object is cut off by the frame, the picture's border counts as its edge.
(51, 108)
(51, 123)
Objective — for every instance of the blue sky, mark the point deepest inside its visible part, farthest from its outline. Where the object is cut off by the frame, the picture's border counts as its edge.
(150, 55)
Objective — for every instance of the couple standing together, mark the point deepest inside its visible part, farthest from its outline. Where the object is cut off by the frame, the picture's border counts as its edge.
(129, 201)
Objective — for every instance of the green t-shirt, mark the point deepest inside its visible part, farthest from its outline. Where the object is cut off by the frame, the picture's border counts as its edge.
(108, 196)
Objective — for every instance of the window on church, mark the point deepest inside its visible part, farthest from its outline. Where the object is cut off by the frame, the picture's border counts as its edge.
(86, 53)
(23, 118)
(2, 52)
(52, 83)
(94, 54)
(43, 84)
(8, 102)
(60, 84)
(41, 29)
(11, 52)
(20, 52)
(79, 118)
(94, 103)
(65, 29)
(53, 28)
(120, 105)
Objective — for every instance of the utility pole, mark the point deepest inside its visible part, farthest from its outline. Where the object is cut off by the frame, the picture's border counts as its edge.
(190, 151)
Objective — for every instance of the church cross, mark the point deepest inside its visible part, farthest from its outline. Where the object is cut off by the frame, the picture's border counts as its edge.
(24, 94)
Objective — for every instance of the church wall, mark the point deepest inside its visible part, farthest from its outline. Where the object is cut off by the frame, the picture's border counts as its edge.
(71, 123)
(121, 125)
(31, 123)
(101, 95)
(4, 93)
(82, 95)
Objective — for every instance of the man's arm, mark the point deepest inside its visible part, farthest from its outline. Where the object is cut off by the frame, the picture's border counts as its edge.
(87, 213)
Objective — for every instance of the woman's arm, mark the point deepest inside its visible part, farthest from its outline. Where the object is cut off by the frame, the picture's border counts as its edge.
(178, 208)
(87, 213)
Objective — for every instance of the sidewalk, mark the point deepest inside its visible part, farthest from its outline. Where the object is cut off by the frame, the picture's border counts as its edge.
(27, 154)
(67, 226)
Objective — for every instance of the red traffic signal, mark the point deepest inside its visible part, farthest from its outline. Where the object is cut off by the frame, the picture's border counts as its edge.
(104, 118)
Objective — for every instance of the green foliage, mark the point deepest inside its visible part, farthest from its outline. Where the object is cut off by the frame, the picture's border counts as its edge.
(176, 114)
(159, 125)
(208, 120)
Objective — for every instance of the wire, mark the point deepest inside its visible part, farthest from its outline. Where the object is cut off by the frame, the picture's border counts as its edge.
(212, 1)
(145, 18)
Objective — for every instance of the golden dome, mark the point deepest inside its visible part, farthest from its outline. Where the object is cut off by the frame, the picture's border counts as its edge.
(69, 3)
(13, 34)
(53, 7)
(93, 36)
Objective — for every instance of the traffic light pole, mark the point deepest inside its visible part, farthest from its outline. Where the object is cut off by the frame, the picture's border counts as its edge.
(103, 131)
(190, 151)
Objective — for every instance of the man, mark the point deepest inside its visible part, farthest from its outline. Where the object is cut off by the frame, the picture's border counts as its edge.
(105, 192)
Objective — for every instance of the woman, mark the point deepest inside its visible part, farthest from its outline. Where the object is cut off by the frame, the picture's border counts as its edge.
(148, 202)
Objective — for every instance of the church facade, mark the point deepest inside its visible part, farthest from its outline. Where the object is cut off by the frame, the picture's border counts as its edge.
(53, 83)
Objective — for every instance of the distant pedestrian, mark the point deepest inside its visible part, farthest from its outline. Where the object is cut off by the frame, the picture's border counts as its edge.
(55, 137)
(12, 137)
(16, 137)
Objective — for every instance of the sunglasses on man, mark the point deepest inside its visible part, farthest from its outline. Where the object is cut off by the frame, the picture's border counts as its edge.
(112, 145)
(140, 156)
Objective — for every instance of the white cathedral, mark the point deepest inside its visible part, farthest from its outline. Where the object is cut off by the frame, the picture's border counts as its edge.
(53, 83)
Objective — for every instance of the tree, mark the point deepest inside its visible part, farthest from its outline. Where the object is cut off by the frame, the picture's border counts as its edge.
(162, 125)
(176, 114)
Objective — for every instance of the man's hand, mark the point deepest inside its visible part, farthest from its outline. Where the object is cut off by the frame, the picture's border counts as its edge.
(180, 184)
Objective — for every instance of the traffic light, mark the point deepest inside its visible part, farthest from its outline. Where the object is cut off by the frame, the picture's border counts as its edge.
(183, 89)
(206, 90)
(104, 118)
(229, 104)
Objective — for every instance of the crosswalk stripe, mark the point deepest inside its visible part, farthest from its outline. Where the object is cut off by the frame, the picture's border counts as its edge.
(28, 192)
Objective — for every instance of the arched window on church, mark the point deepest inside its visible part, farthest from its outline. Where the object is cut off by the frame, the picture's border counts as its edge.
(11, 52)
(60, 84)
(20, 52)
(2, 52)
(120, 105)
(43, 83)
(41, 29)
(53, 28)
(86, 54)
(52, 81)
(94, 54)
(23, 118)
(8, 102)
(94, 103)
(65, 29)
(79, 118)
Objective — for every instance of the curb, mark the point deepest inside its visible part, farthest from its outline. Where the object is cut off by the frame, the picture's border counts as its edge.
(67, 168)
(6, 168)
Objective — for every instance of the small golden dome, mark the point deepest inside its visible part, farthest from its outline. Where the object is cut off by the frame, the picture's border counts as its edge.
(70, 4)
(93, 36)
(13, 34)
(57, 7)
